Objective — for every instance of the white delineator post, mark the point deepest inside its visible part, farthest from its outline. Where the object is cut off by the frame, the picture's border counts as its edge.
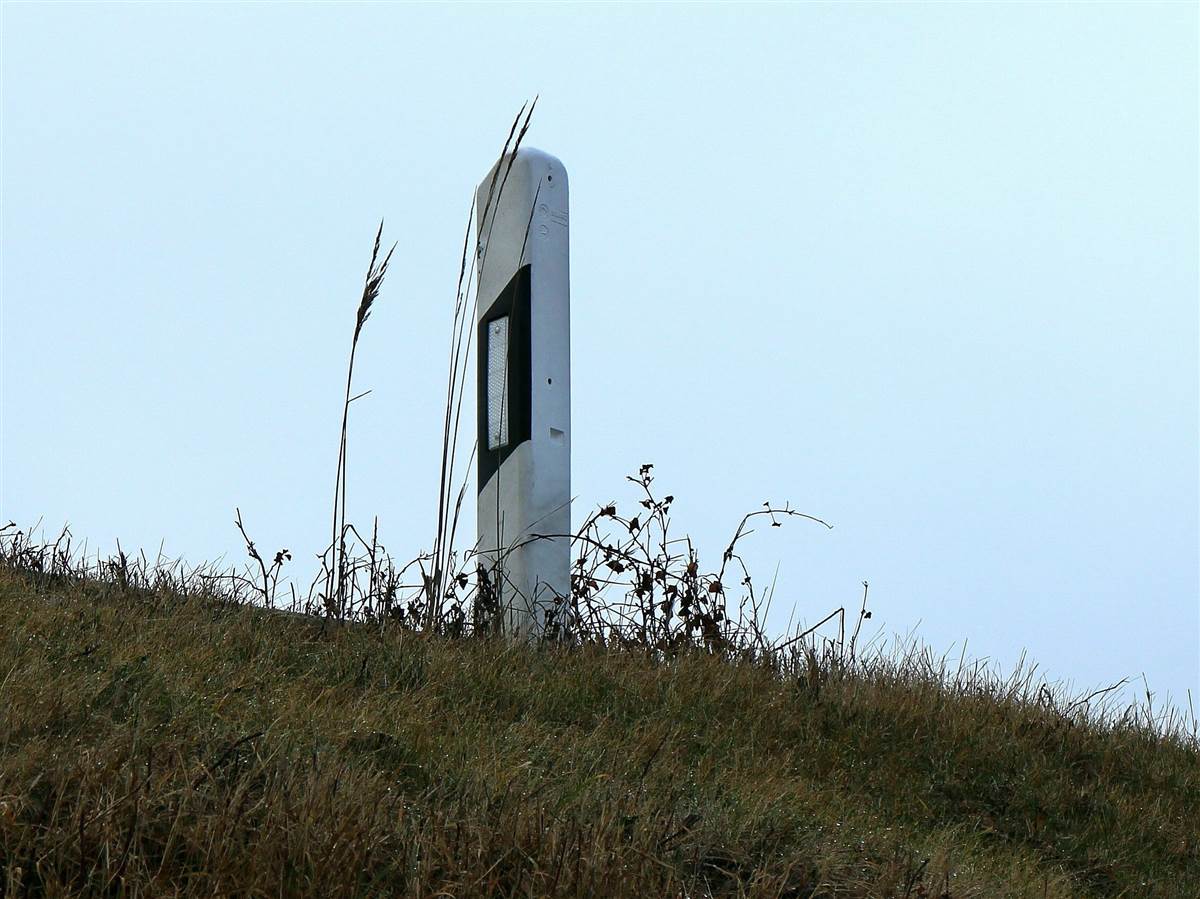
(524, 361)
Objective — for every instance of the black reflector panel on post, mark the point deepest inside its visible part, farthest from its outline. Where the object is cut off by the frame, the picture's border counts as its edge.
(504, 383)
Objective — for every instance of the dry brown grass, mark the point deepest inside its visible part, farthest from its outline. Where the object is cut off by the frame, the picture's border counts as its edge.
(157, 745)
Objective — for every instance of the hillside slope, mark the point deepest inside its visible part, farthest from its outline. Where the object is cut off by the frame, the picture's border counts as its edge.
(152, 746)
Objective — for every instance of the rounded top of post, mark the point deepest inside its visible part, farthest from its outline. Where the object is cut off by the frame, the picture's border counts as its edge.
(534, 155)
(524, 195)
(531, 165)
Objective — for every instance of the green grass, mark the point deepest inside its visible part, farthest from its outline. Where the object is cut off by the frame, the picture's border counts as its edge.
(155, 746)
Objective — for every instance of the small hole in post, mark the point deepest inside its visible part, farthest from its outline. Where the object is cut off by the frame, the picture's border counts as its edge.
(549, 380)
(549, 177)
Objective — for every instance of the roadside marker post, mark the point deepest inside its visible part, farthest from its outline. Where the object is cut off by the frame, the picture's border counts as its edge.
(523, 349)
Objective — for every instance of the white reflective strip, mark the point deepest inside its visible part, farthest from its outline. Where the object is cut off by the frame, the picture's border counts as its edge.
(497, 382)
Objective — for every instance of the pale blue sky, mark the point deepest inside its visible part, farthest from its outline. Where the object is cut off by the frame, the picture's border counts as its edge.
(927, 271)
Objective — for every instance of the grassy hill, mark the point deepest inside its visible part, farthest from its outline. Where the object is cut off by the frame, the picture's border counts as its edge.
(156, 745)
